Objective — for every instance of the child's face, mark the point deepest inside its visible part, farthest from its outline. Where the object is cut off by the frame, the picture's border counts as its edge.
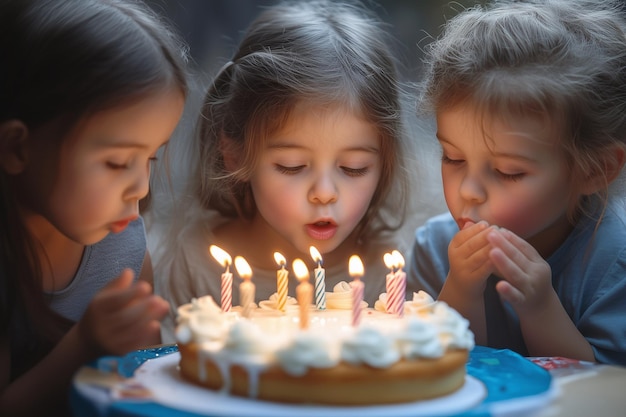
(509, 174)
(316, 177)
(103, 168)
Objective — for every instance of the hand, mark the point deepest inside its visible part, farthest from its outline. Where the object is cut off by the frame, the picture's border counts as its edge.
(470, 263)
(527, 277)
(123, 317)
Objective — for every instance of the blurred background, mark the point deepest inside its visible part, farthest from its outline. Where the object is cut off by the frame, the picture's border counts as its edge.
(213, 28)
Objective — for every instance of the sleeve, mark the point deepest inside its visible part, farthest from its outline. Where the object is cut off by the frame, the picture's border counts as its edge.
(428, 264)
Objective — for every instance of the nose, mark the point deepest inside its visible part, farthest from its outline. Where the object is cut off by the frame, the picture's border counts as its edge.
(323, 190)
(472, 189)
(140, 184)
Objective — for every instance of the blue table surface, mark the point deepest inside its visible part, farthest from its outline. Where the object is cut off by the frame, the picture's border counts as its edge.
(506, 376)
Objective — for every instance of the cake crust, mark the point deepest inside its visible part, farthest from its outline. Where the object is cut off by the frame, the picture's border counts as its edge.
(343, 384)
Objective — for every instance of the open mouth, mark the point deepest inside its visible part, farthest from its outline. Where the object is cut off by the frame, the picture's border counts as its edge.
(321, 230)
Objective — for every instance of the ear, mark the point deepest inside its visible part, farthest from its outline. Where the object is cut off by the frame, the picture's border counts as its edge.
(612, 165)
(232, 159)
(13, 141)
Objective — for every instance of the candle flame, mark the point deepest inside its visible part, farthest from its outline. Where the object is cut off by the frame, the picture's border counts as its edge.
(398, 259)
(300, 269)
(280, 259)
(315, 254)
(355, 266)
(221, 255)
(243, 268)
(389, 260)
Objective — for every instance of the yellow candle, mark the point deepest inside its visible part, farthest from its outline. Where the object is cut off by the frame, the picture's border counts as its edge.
(282, 280)
(246, 288)
(304, 291)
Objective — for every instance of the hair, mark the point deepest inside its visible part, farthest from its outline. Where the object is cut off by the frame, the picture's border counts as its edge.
(320, 53)
(62, 61)
(560, 62)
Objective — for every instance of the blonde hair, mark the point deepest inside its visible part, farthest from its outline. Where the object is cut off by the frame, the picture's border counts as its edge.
(561, 62)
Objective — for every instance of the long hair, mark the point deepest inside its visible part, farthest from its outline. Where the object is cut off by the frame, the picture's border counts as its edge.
(61, 62)
(324, 53)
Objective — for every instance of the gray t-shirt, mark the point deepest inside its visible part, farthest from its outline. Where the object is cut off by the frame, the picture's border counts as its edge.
(101, 263)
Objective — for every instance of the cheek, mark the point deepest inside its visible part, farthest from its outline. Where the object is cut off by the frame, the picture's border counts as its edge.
(526, 216)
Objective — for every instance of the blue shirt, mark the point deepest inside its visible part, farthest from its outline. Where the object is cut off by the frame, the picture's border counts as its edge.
(588, 275)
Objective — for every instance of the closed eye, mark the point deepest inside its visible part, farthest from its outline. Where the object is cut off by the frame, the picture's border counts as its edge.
(289, 170)
(355, 172)
(114, 165)
(510, 177)
(446, 160)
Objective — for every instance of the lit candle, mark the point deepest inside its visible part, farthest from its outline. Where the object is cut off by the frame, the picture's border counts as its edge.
(320, 280)
(225, 260)
(281, 281)
(304, 291)
(396, 283)
(246, 288)
(400, 280)
(355, 267)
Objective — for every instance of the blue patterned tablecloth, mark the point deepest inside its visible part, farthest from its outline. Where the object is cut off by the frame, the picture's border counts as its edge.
(508, 377)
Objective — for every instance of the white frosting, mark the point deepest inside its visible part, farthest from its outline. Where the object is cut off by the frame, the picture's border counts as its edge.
(307, 350)
(420, 303)
(272, 338)
(370, 346)
(341, 297)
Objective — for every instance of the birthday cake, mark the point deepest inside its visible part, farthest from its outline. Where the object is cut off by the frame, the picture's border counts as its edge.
(269, 355)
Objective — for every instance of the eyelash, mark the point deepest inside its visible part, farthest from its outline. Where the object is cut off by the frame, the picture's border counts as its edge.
(351, 172)
(502, 175)
(115, 166)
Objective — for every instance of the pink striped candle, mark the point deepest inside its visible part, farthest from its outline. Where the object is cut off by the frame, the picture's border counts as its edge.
(400, 278)
(320, 279)
(225, 260)
(393, 290)
(355, 267)
(282, 281)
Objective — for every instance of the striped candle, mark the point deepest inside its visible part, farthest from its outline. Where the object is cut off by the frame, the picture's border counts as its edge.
(225, 260)
(400, 282)
(282, 280)
(320, 280)
(227, 290)
(355, 267)
(393, 297)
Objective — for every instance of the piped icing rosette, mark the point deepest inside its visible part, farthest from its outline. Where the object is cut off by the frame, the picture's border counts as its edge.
(272, 303)
(421, 303)
(341, 297)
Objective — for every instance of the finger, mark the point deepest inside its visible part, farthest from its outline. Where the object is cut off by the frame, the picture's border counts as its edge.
(522, 245)
(510, 248)
(140, 311)
(509, 293)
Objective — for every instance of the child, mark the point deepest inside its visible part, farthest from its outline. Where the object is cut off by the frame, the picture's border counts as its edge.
(90, 91)
(300, 144)
(530, 100)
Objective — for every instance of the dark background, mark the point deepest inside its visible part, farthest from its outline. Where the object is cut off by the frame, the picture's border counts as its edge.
(213, 28)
